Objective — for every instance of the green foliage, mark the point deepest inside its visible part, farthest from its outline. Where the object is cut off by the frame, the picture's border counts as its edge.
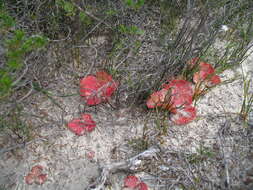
(111, 12)
(134, 4)
(130, 30)
(6, 21)
(5, 83)
(139, 144)
(17, 45)
(161, 122)
(137, 45)
(71, 12)
(247, 103)
(67, 6)
(203, 154)
(171, 12)
(85, 19)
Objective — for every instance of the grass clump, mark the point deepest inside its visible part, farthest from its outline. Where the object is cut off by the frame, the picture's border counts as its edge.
(247, 102)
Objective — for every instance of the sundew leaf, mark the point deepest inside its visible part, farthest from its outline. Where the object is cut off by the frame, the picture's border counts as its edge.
(131, 181)
(174, 94)
(82, 125)
(97, 89)
(183, 115)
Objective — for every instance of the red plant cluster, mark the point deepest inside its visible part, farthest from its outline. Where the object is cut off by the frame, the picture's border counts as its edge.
(95, 89)
(36, 175)
(205, 77)
(206, 73)
(133, 183)
(82, 125)
(176, 95)
(90, 154)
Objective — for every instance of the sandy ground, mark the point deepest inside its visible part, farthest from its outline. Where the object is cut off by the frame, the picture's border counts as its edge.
(65, 156)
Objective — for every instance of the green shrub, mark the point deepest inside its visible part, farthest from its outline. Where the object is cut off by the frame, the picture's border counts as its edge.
(17, 46)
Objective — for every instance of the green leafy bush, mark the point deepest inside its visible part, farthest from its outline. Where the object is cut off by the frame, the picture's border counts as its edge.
(16, 48)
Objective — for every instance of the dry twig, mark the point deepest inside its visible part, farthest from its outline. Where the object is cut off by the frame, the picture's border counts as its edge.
(128, 164)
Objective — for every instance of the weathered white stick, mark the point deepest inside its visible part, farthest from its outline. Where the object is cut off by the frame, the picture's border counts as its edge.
(127, 164)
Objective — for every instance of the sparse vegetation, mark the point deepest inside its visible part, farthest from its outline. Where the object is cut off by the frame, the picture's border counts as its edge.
(247, 102)
(47, 46)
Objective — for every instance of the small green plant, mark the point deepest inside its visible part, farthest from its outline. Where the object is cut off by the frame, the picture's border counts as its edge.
(67, 6)
(84, 18)
(247, 102)
(70, 10)
(171, 11)
(161, 122)
(203, 153)
(111, 12)
(134, 4)
(130, 30)
(6, 21)
(139, 144)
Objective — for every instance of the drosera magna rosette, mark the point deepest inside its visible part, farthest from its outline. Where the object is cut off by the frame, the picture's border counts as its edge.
(36, 176)
(181, 92)
(81, 126)
(159, 99)
(205, 74)
(204, 78)
(174, 93)
(132, 182)
(96, 89)
(89, 87)
(183, 115)
(176, 96)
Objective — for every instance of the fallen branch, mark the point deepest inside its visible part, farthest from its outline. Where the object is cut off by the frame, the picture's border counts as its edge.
(127, 164)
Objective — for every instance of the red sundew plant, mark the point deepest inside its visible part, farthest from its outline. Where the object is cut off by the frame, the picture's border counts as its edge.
(142, 186)
(90, 154)
(133, 183)
(205, 78)
(177, 95)
(184, 115)
(181, 92)
(82, 125)
(36, 176)
(97, 89)
(206, 72)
